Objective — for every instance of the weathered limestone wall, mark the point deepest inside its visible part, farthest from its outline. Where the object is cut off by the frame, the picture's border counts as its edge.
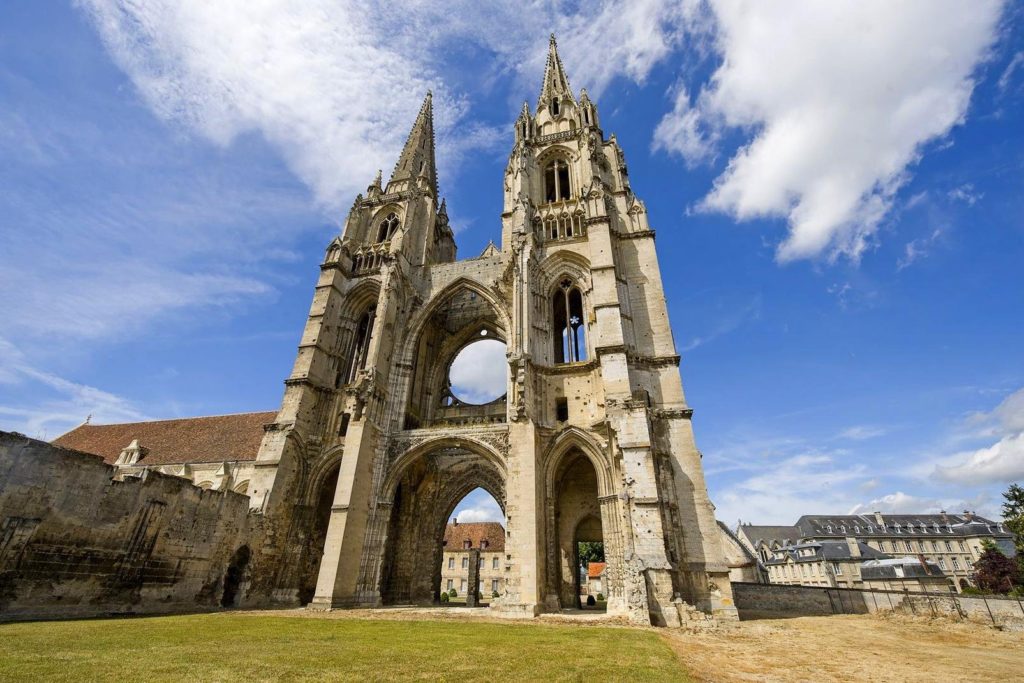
(74, 541)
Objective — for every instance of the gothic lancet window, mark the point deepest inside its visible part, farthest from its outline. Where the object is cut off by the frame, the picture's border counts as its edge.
(388, 226)
(361, 348)
(556, 181)
(569, 335)
(554, 106)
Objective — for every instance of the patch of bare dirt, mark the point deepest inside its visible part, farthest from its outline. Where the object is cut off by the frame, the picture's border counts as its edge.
(851, 648)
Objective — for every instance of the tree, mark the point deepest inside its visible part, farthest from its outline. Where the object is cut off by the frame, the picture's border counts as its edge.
(994, 571)
(591, 551)
(1013, 519)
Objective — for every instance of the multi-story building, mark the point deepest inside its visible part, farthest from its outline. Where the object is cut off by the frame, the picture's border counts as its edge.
(821, 563)
(904, 574)
(951, 542)
(459, 539)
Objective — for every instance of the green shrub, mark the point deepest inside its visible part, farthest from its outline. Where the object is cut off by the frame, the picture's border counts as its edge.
(453, 593)
(494, 594)
(600, 597)
(591, 601)
(444, 597)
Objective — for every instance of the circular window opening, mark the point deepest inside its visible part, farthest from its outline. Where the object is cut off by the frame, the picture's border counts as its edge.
(479, 372)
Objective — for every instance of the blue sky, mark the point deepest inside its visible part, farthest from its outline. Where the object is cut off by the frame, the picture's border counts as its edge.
(836, 189)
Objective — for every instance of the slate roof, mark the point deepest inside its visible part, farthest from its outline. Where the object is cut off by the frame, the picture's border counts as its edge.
(216, 438)
(949, 525)
(785, 535)
(912, 568)
(832, 551)
(455, 536)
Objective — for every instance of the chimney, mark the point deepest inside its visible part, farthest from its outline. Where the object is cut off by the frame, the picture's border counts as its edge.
(854, 546)
(945, 517)
(455, 521)
(924, 563)
(879, 520)
(969, 515)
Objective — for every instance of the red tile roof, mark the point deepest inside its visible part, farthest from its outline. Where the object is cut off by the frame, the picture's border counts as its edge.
(455, 536)
(216, 438)
(595, 569)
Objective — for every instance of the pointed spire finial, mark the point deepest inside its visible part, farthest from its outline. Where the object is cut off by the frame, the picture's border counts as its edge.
(417, 157)
(555, 80)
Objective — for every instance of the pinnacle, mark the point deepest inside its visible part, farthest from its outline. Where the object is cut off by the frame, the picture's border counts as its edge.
(555, 80)
(417, 157)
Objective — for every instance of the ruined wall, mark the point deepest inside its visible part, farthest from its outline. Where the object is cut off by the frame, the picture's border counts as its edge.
(74, 541)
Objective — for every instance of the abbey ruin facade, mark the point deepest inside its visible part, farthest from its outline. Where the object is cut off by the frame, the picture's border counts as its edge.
(354, 479)
(592, 440)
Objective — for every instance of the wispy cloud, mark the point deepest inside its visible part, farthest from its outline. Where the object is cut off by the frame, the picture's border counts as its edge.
(834, 136)
(58, 403)
(730, 320)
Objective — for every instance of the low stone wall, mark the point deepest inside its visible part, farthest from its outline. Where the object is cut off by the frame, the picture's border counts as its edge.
(804, 601)
(769, 600)
(76, 542)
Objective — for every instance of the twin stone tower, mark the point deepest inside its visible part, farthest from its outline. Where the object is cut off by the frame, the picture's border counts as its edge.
(592, 441)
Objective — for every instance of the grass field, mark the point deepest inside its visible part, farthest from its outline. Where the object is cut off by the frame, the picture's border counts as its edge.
(218, 647)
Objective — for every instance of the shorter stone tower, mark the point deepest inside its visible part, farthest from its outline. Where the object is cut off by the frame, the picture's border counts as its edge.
(592, 441)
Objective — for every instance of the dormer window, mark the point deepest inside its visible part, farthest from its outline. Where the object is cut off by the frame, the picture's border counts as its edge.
(556, 181)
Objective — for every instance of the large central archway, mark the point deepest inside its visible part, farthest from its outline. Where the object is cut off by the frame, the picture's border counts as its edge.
(427, 485)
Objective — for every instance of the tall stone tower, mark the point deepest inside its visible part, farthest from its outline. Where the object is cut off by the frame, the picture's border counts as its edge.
(592, 441)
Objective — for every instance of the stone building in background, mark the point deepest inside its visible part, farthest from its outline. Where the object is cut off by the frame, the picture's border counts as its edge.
(459, 539)
(357, 474)
(950, 542)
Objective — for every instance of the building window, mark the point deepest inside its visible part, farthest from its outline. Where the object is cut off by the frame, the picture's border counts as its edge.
(562, 409)
(481, 563)
(494, 585)
(942, 563)
(910, 546)
(494, 563)
(451, 584)
(465, 563)
(556, 181)
(963, 548)
(364, 332)
(956, 563)
(837, 569)
(569, 336)
(451, 563)
(462, 586)
(388, 226)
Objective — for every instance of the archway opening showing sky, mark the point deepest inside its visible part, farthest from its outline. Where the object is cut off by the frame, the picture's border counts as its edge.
(478, 506)
(479, 372)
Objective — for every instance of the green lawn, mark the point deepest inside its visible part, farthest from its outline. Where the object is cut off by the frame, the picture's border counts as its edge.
(219, 647)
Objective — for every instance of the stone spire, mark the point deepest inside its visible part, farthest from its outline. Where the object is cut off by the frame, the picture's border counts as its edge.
(555, 80)
(418, 154)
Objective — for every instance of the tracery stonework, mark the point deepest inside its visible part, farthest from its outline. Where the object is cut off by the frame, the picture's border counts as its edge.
(591, 441)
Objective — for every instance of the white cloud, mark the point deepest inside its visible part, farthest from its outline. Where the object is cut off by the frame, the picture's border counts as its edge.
(918, 248)
(1001, 462)
(862, 432)
(478, 506)
(841, 99)
(479, 374)
(810, 482)
(335, 85)
(897, 503)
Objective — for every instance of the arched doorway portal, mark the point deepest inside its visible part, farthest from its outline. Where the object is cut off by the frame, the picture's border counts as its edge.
(321, 517)
(426, 492)
(577, 520)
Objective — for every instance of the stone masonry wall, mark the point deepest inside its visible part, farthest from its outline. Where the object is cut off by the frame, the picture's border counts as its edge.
(74, 541)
